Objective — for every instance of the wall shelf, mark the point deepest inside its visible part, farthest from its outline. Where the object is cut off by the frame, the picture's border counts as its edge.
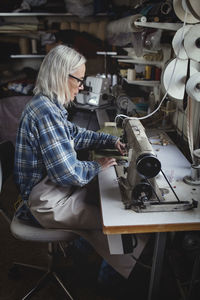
(132, 58)
(47, 14)
(27, 56)
(33, 14)
(141, 61)
(143, 82)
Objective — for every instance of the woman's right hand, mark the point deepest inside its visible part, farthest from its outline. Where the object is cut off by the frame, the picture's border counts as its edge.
(107, 162)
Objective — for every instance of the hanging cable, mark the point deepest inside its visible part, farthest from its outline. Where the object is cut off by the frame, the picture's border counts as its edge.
(122, 116)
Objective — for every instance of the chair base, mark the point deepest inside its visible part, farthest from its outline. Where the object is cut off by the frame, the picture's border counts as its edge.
(48, 274)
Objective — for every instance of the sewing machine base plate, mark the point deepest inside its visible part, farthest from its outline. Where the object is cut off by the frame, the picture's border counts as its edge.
(168, 206)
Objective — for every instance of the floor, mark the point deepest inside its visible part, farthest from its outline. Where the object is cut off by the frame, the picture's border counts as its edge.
(80, 275)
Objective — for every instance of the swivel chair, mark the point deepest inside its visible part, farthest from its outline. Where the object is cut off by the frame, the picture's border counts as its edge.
(6, 168)
(29, 231)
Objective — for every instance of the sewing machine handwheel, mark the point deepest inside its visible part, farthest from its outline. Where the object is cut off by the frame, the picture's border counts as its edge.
(148, 165)
(142, 189)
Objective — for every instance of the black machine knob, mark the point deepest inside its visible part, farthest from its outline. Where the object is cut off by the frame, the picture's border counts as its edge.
(148, 165)
(142, 191)
(197, 43)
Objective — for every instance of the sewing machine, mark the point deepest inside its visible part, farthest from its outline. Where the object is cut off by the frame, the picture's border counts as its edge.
(139, 184)
(98, 92)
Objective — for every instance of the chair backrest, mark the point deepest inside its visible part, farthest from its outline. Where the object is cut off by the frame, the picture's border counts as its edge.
(1, 177)
(7, 151)
(6, 169)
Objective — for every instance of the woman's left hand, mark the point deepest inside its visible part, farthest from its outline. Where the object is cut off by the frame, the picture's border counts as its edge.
(120, 147)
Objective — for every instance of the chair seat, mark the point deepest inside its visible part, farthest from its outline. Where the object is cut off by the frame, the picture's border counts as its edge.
(27, 231)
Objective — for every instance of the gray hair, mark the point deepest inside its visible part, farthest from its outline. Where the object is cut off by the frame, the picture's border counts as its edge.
(52, 79)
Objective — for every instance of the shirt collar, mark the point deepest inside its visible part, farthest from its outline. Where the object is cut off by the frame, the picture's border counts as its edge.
(63, 110)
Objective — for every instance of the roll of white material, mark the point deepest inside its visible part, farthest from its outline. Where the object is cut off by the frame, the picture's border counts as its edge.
(125, 24)
(178, 40)
(193, 87)
(192, 42)
(131, 74)
(181, 10)
(194, 8)
(174, 76)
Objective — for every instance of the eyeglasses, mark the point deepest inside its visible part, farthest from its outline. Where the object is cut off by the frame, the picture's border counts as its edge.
(80, 81)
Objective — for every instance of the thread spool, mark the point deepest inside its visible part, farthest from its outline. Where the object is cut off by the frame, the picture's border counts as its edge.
(34, 46)
(75, 26)
(196, 154)
(178, 41)
(114, 79)
(64, 25)
(148, 72)
(193, 86)
(84, 27)
(194, 8)
(24, 46)
(101, 30)
(192, 42)
(182, 11)
(157, 73)
(194, 178)
(174, 76)
(109, 76)
(93, 28)
(131, 74)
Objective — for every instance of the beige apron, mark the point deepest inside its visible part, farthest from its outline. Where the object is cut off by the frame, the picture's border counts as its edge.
(71, 208)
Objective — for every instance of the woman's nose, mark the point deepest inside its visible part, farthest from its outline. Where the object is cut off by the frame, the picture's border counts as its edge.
(81, 87)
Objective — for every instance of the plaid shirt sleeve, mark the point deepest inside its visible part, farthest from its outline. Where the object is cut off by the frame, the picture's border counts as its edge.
(54, 139)
(85, 139)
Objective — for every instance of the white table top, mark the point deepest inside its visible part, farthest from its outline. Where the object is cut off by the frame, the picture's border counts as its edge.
(118, 220)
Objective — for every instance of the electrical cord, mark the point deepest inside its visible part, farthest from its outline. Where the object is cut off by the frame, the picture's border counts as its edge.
(122, 116)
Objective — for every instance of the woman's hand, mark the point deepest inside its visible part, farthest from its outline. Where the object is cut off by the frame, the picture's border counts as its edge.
(107, 162)
(120, 147)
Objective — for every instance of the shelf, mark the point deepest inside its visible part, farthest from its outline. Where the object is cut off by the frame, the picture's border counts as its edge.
(141, 61)
(44, 14)
(34, 14)
(132, 58)
(28, 56)
(157, 25)
(143, 82)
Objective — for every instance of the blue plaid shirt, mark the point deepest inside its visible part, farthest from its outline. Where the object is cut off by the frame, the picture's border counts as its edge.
(44, 147)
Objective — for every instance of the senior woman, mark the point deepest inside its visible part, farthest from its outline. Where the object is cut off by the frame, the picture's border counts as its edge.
(52, 180)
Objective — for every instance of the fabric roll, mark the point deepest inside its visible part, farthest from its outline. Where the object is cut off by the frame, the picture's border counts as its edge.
(131, 74)
(93, 27)
(24, 46)
(101, 30)
(183, 13)
(65, 26)
(75, 26)
(84, 27)
(124, 25)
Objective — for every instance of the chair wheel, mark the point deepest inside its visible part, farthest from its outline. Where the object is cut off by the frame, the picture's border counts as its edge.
(14, 272)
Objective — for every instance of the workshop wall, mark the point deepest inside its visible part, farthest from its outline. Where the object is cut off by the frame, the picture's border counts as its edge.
(29, 29)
